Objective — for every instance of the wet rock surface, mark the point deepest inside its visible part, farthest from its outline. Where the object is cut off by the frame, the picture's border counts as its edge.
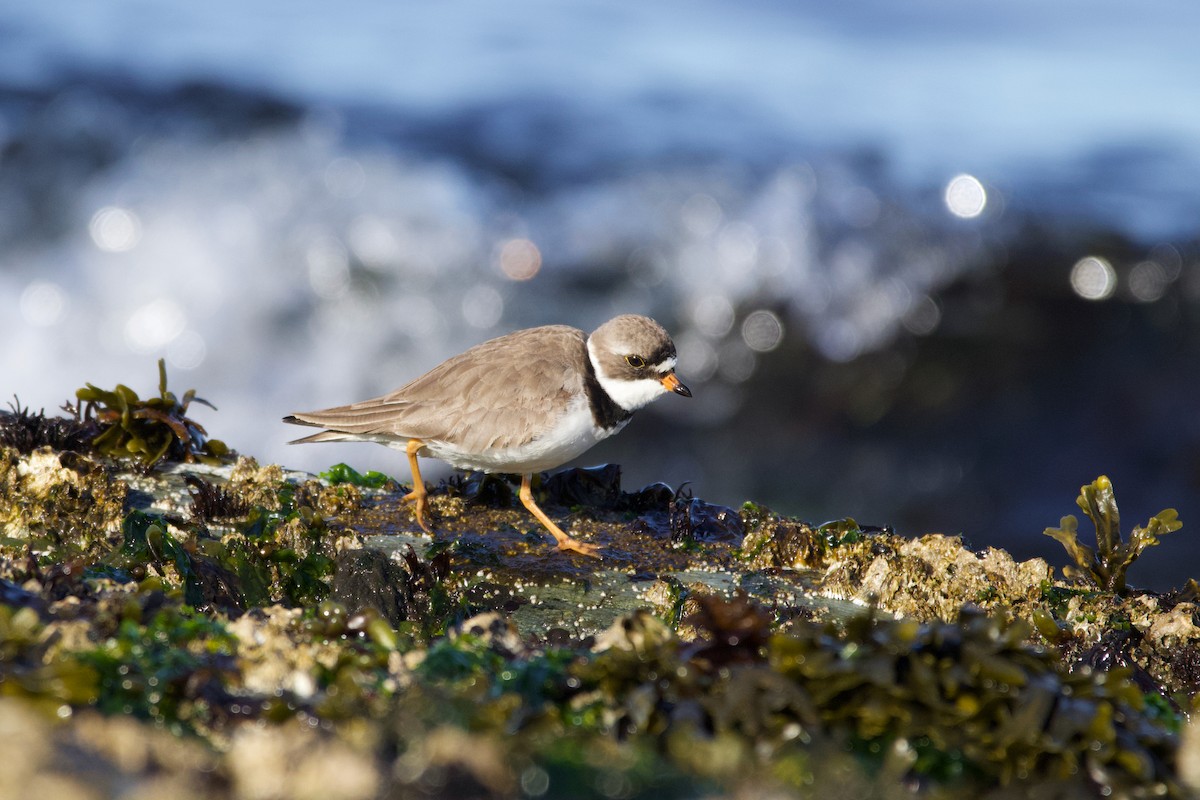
(236, 630)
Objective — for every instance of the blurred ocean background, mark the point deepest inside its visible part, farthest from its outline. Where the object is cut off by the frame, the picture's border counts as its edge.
(932, 265)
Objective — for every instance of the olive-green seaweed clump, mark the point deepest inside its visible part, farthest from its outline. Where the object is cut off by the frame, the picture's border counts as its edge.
(31, 668)
(952, 706)
(149, 430)
(968, 700)
(1105, 567)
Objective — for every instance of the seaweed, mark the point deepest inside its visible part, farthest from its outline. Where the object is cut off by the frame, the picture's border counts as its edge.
(283, 556)
(278, 557)
(344, 473)
(966, 700)
(147, 431)
(147, 542)
(30, 668)
(694, 521)
(25, 432)
(1106, 566)
(211, 502)
(174, 669)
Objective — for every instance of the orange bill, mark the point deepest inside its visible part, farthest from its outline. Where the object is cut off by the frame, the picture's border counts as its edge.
(673, 384)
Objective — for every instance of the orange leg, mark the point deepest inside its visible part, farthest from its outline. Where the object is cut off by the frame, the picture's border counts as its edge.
(418, 491)
(564, 542)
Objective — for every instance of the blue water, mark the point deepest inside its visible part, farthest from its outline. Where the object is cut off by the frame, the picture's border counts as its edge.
(298, 206)
(937, 87)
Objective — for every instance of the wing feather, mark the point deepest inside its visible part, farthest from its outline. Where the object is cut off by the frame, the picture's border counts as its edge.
(515, 384)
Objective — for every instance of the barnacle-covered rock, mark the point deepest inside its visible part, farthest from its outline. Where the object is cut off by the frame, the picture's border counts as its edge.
(771, 541)
(72, 509)
(101, 756)
(257, 485)
(933, 576)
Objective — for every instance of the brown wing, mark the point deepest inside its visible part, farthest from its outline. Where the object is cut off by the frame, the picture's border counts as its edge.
(509, 382)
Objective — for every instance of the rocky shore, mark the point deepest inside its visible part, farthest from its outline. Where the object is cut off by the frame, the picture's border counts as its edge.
(180, 621)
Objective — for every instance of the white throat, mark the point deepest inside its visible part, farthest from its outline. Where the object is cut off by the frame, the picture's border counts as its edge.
(629, 395)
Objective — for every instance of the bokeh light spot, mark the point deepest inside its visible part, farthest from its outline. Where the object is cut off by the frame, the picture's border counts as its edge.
(965, 196)
(701, 215)
(762, 331)
(697, 358)
(1093, 278)
(115, 230)
(188, 351)
(1169, 258)
(923, 316)
(154, 325)
(1148, 281)
(43, 303)
(736, 362)
(737, 247)
(839, 340)
(482, 306)
(713, 315)
(373, 242)
(520, 259)
(535, 781)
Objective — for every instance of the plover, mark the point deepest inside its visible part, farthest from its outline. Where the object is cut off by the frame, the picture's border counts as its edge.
(522, 403)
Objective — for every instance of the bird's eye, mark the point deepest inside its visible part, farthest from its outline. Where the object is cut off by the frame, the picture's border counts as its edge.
(637, 362)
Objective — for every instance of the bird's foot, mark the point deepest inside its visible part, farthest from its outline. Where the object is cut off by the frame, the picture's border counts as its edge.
(417, 497)
(567, 544)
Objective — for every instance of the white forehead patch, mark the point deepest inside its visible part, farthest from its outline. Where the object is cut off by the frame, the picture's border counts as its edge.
(664, 366)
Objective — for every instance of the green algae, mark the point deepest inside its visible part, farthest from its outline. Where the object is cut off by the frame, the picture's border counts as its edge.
(344, 473)
(172, 668)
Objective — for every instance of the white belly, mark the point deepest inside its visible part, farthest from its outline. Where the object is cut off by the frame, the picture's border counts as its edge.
(575, 434)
